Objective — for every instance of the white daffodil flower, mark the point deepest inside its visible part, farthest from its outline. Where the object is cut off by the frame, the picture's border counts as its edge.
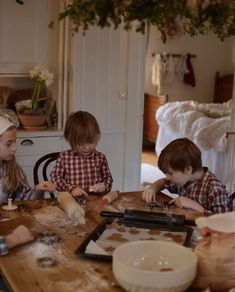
(42, 76)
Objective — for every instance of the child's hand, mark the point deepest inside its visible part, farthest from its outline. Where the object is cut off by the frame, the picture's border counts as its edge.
(23, 234)
(78, 192)
(47, 186)
(183, 202)
(149, 195)
(97, 188)
(19, 235)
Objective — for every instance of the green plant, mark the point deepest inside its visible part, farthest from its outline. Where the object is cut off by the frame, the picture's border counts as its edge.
(42, 77)
(192, 16)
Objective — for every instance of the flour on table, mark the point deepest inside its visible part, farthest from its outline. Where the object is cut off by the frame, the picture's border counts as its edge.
(51, 215)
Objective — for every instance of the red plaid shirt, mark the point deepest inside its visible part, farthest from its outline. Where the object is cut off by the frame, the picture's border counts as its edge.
(73, 169)
(208, 191)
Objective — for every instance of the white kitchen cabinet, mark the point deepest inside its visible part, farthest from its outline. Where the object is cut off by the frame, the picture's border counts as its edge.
(23, 36)
(33, 145)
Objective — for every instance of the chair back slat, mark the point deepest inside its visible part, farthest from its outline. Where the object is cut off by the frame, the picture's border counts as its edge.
(42, 164)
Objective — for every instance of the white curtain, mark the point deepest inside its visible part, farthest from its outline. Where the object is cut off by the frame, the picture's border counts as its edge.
(231, 138)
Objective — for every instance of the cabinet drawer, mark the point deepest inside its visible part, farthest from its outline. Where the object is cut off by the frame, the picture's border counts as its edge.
(39, 145)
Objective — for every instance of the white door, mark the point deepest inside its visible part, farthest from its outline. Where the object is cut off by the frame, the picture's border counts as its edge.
(108, 81)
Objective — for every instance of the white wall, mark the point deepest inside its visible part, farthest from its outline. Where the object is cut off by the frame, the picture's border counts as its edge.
(211, 55)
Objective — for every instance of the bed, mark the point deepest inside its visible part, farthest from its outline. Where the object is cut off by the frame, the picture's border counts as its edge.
(205, 124)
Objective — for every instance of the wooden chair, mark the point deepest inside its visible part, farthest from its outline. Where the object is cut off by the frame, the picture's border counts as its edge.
(223, 88)
(42, 164)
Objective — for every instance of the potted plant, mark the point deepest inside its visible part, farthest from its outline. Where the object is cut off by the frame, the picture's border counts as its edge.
(34, 112)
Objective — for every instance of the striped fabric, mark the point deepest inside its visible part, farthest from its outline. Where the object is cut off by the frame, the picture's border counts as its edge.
(26, 192)
(3, 246)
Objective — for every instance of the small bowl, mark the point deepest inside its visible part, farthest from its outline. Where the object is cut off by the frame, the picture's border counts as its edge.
(154, 266)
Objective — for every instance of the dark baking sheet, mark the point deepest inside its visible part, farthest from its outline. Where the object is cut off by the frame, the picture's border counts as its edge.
(105, 223)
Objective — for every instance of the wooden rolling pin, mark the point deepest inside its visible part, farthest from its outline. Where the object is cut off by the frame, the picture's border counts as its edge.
(74, 211)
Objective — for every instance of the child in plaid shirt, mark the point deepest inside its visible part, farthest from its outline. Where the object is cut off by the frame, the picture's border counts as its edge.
(197, 187)
(12, 178)
(82, 168)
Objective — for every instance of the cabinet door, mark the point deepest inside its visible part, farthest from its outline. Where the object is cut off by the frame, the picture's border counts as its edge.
(23, 35)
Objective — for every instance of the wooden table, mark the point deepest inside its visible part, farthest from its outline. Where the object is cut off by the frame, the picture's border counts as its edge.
(71, 273)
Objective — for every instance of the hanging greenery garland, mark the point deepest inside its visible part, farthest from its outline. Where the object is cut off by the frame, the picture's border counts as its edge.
(171, 17)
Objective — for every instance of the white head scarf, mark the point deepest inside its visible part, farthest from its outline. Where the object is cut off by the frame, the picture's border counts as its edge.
(5, 123)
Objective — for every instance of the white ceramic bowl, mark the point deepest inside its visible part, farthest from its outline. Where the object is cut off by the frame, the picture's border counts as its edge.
(150, 266)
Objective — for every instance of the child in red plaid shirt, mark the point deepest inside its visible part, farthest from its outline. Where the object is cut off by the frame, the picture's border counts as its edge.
(197, 187)
(82, 168)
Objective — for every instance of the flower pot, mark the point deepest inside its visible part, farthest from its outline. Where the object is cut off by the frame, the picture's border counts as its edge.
(33, 122)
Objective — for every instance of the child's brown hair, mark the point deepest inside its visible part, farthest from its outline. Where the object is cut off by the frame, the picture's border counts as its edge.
(81, 128)
(179, 154)
(12, 180)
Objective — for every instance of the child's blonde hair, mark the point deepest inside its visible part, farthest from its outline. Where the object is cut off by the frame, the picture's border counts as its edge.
(12, 182)
(179, 154)
(81, 128)
(12, 174)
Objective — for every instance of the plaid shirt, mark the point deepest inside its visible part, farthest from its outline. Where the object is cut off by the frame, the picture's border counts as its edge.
(26, 193)
(3, 246)
(73, 169)
(208, 191)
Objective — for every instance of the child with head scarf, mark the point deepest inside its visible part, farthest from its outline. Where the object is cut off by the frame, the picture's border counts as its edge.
(14, 183)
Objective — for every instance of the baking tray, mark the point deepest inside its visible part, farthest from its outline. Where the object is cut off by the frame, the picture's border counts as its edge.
(101, 235)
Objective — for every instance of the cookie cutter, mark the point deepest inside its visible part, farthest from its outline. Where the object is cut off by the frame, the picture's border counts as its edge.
(46, 262)
(81, 200)
(9, 206)
(165, 206)
(48, 238)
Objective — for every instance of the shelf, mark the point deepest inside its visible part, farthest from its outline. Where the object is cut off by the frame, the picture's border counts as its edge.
(14, 75)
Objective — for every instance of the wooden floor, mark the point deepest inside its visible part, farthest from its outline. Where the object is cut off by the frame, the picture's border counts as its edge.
(149, 155)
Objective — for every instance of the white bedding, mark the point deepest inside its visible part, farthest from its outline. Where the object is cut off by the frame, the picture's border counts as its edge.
(205, 124)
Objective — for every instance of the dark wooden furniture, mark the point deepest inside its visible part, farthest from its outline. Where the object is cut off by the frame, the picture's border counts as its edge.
(151, 104)
(223, 89)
